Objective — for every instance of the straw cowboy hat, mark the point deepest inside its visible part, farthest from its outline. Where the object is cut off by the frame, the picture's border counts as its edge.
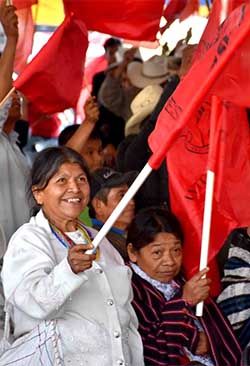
(151, 72)
(142, 106)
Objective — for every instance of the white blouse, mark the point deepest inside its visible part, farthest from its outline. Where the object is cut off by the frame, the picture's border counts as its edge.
(93, 309)
(14, 208)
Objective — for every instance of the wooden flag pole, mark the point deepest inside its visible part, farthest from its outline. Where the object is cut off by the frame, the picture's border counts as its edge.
(7, 96)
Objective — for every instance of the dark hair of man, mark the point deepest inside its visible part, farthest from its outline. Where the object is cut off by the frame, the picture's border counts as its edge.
(96, 135)
(111, 42)
(148, 223)
(102, 195)
(69, 131)
(66, 134)
(46, 165)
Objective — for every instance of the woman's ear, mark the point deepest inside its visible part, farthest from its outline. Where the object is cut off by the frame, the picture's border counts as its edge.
(37, 194)
(132, 253)
(98, 205)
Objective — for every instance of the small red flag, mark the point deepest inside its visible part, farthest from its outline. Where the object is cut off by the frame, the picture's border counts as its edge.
(52, 80)
(191, 7)
(185, 120)
(174, 9)
(130, 19)
(21, 4)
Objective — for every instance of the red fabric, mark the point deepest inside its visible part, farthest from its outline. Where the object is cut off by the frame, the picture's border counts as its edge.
(96, 65)
(21, 4)
(191, 7)
(184, 103)
(185, 120)
(42, 124)
(212, 25)
(131, 19)
(52, 80)
(25, 39)
(173, 9)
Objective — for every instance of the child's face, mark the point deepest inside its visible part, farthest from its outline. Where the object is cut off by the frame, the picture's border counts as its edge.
(93, 154)
(161, 259)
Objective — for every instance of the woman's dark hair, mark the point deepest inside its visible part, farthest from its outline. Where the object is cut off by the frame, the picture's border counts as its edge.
(148, 223)
(46, 165)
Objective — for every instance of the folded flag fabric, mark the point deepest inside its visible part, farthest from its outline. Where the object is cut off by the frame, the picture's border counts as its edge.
(130, 19)
(52, 80)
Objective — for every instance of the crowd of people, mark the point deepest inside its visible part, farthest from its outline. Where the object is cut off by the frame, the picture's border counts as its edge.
(126, 302)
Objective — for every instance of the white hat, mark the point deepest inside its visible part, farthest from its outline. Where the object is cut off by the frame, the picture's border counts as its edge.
(142, 106)
(151, 72)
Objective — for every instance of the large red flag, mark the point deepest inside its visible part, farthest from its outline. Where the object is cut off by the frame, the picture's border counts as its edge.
(25, 38)
(185, 121)
(53, 79)
(130, 19)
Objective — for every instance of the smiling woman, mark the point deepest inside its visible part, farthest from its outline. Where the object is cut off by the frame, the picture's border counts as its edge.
(79, 302)
(60, 186)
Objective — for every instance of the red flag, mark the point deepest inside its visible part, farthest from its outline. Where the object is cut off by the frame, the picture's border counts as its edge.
(41, 124)
(130, 19)
(191, 7)
(25, 38)
(187, 98)
(218, 10)
(185, 121)
(173, 9)
(21, 4)
(53, 79)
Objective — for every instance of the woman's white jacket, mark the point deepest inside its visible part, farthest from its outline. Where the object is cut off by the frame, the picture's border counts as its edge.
(93, 309)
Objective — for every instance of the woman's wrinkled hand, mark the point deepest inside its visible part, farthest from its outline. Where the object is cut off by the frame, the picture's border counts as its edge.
(197, 288)
(78, 260)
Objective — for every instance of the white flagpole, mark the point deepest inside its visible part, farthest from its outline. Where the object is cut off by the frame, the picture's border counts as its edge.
(121, 205)
(209, 187)
(206, 229)
(224, 10)
(208, 205)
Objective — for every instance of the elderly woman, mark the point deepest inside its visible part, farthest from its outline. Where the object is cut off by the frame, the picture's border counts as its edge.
(52, 286)
(164, 302)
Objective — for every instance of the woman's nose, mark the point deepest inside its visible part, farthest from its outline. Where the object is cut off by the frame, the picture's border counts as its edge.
(168, 259)
(73, 186)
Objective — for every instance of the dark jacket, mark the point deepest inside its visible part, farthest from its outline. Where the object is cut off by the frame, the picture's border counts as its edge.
(154, 191)
(168, 326)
